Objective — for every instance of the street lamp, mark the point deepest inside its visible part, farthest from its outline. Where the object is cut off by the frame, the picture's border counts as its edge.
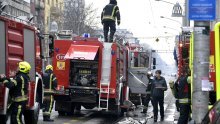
(178, 11)
(171, 19)
(165, 2)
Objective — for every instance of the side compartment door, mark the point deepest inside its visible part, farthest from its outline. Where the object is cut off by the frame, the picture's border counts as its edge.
(2, 62)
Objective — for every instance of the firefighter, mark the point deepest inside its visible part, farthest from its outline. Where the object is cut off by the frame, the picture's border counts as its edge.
(184, 97)
(158, 87)
(18, 89)
(174, 89)
(147, 98)
(108, 18)
(50, 84)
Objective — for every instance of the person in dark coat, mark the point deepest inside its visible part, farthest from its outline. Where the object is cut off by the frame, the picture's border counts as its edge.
(159, 85)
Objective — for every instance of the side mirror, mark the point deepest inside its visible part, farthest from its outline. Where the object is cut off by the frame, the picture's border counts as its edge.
(51, 45)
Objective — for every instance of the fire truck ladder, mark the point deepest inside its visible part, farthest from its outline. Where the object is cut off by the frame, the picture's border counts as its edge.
(106, 77)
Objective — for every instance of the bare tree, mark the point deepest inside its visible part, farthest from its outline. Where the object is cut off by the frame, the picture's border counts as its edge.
(79, 18)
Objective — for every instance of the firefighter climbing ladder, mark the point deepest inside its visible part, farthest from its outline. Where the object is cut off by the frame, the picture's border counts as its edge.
(105, 77)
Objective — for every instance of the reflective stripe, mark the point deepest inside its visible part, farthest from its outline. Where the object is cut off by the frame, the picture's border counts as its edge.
(113, 11)
(148, 92)
(185, 100)
(5, 81)
(20, 98)
(189, 80)
(51, 103)
(51, 81)
(18, 114)
(22, 86)
(14, 81)
(54, 79)
(46, 113)
(109, 17)
(48, 90)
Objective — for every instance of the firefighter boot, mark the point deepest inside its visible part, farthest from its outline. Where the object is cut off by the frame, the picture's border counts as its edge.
(47, 118)
(144, 110)
(155, 119)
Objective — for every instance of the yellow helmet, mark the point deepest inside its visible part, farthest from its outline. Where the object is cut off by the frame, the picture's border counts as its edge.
(24, 67)
(49, 67)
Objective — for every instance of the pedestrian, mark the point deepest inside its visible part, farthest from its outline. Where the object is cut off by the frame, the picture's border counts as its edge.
(184, 97)
(18, 89)
(108, 18)
(50, 84)
(158, 87)
(147, 98)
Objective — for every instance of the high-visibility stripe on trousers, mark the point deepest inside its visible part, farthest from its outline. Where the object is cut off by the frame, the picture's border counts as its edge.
(184, 100)
(48, 105)
(17, 110)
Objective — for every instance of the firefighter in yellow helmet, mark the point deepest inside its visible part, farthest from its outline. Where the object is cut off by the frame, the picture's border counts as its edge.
(18, 89)
(50, 84)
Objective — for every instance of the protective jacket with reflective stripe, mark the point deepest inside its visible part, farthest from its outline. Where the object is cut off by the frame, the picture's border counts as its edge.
(110, 12)
(50, 81)
(18, 86)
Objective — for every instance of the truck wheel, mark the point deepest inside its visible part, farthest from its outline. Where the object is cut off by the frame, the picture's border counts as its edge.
(3, 119)
(31, 116)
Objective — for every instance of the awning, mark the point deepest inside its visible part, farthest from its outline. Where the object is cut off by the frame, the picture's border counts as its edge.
(85, 52)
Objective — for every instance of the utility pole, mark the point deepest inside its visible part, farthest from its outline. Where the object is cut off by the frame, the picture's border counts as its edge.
(202, 12)
(200, 98)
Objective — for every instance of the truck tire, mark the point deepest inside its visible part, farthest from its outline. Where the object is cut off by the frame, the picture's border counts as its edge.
(31, 116)
(3, 119)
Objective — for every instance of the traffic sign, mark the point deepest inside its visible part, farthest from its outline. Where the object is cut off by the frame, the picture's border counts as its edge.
(202, 10)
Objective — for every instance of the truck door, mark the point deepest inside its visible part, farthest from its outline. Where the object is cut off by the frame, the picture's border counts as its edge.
(137, 72)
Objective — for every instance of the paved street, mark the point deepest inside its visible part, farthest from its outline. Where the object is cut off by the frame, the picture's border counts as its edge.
(86, 117)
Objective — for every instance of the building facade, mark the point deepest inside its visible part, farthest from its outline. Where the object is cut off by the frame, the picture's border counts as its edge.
(37, 10)
(53, 11)
(17, 7)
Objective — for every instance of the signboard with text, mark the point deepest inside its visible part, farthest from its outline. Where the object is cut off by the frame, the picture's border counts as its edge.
(202, 10)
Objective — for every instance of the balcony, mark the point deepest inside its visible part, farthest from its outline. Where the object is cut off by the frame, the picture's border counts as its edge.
(39, 4)
(55, 11)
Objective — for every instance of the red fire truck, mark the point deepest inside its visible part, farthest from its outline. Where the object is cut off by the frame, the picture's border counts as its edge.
(93, 74)
(185, 59)
(19, 42)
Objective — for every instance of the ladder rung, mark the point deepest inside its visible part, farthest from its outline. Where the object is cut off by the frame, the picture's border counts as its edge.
(104, 100)
(103, 108)
(104, 92)
(105, 84)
